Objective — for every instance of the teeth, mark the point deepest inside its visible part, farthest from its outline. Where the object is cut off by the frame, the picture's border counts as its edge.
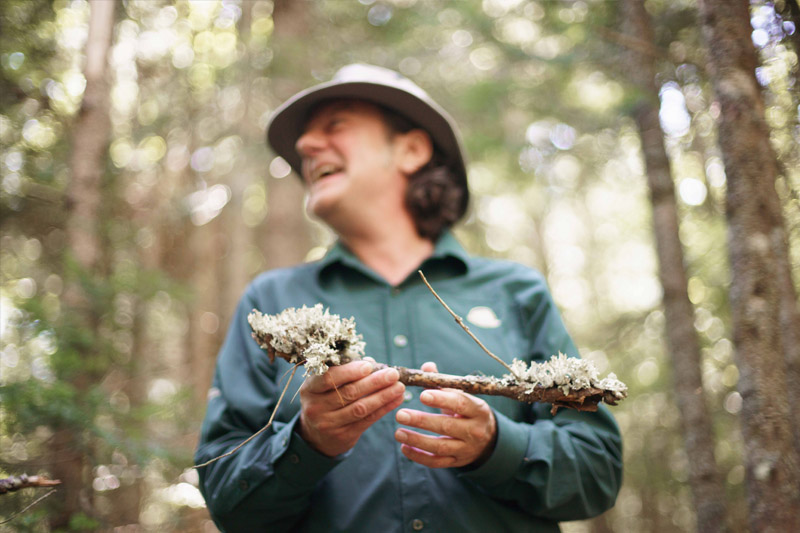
(325, 170)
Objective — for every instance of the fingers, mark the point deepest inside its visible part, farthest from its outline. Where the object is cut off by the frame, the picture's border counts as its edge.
(465, 432)
(441, 424)
(429, 367)
(370, 407)
(428, 459)
(336, 411)
(455, 401)
(355, 400)
(430, 444)
(370, 419)
(336, 376)
(363, 387)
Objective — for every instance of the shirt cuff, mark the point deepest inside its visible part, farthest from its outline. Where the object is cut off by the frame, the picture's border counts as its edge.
(509, 451)
(300, 465)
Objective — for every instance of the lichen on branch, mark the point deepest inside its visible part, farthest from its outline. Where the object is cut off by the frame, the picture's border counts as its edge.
(309, 335)
(316, 338)
(565, 373)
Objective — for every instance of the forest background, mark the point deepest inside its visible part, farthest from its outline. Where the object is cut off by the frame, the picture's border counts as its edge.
(137, 198)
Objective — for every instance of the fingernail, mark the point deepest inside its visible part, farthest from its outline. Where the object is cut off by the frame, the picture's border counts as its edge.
(391, 375)
(366, 369)
(400, 436)
(403, 417)
(426, 397)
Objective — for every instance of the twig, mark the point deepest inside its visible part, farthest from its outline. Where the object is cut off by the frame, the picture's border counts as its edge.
(630, 42)
(37, 500)
(14, 483)
(257, 433)
(581, 399)
(465, 328)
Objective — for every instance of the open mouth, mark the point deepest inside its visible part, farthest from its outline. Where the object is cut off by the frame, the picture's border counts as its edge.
(324, 171)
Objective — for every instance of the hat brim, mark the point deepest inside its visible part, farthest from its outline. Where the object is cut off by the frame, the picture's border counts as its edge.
(288, 122)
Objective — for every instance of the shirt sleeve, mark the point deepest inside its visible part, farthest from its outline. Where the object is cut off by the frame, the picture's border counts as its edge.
(566, 466)
(268, 482)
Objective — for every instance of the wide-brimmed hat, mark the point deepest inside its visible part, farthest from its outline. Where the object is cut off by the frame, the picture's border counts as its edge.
(378, 85)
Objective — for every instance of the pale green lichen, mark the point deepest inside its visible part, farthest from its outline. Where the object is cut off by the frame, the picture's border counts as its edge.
(310, 334)
(567, 373)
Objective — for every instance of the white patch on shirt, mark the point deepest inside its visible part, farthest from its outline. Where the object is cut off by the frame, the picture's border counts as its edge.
(213, 392)
(483, 317)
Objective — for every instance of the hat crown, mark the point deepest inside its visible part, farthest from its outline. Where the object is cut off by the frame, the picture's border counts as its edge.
(361, 72)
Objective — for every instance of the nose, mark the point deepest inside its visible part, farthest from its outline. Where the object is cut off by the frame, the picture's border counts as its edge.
(310, 142)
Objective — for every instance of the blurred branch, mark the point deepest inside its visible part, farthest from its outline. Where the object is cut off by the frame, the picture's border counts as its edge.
(15, 483)
(631, 43)
(34, 502)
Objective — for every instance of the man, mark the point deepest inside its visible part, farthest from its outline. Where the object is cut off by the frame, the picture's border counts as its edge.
(385, 170)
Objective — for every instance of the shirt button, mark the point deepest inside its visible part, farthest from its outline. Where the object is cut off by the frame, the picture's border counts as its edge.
(417, 524)
(243, 484)
(294, 459)
(400, 341)
(407, 396)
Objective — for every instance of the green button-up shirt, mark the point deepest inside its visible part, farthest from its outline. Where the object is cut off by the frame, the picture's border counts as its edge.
(543, 469)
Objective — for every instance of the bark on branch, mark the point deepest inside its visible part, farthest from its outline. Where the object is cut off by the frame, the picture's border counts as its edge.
(15, 483)
(581, 400)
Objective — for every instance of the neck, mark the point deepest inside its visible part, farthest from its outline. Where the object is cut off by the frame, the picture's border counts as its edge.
(393, 251)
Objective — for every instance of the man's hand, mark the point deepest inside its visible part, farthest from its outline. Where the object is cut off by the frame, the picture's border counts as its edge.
(337, 407)
(466, 429)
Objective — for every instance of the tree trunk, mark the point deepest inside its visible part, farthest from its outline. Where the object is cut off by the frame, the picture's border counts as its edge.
(790, 331)
(285, 232)
(683, 345)
(756, 237)
(90, 140)
(790, 314)
(790, 11)
(249, 170)
(207, 244)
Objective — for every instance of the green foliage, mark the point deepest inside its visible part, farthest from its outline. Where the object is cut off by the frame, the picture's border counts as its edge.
(83, 523)
(541, 93)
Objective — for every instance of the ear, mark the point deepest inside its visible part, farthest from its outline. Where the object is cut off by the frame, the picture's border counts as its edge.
(415, 149)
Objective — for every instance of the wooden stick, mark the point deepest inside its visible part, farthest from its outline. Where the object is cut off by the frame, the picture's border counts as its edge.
(14, 483)
(580, 400)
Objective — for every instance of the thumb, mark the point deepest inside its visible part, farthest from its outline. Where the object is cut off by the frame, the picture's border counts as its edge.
(429, 367)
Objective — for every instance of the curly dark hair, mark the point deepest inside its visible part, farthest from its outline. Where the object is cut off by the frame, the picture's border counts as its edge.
(435, 196)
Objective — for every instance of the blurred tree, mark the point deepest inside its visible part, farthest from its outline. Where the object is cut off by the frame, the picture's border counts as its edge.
(789, 11)
(193, 194)
(284, 234)
(684, 348)
(789, 30)
(90, 139)
(757, 245)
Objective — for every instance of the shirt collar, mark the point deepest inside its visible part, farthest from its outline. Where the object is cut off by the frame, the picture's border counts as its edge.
(447, 250)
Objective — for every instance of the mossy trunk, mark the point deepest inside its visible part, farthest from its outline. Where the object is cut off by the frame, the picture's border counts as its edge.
(682, 341)
(285, 232)
(90, 139)
(756, 237)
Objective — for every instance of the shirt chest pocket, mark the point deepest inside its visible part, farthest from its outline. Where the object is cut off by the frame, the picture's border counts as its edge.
(442, 340)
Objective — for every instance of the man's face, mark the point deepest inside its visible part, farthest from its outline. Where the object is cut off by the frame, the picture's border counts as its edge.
(349, 160)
